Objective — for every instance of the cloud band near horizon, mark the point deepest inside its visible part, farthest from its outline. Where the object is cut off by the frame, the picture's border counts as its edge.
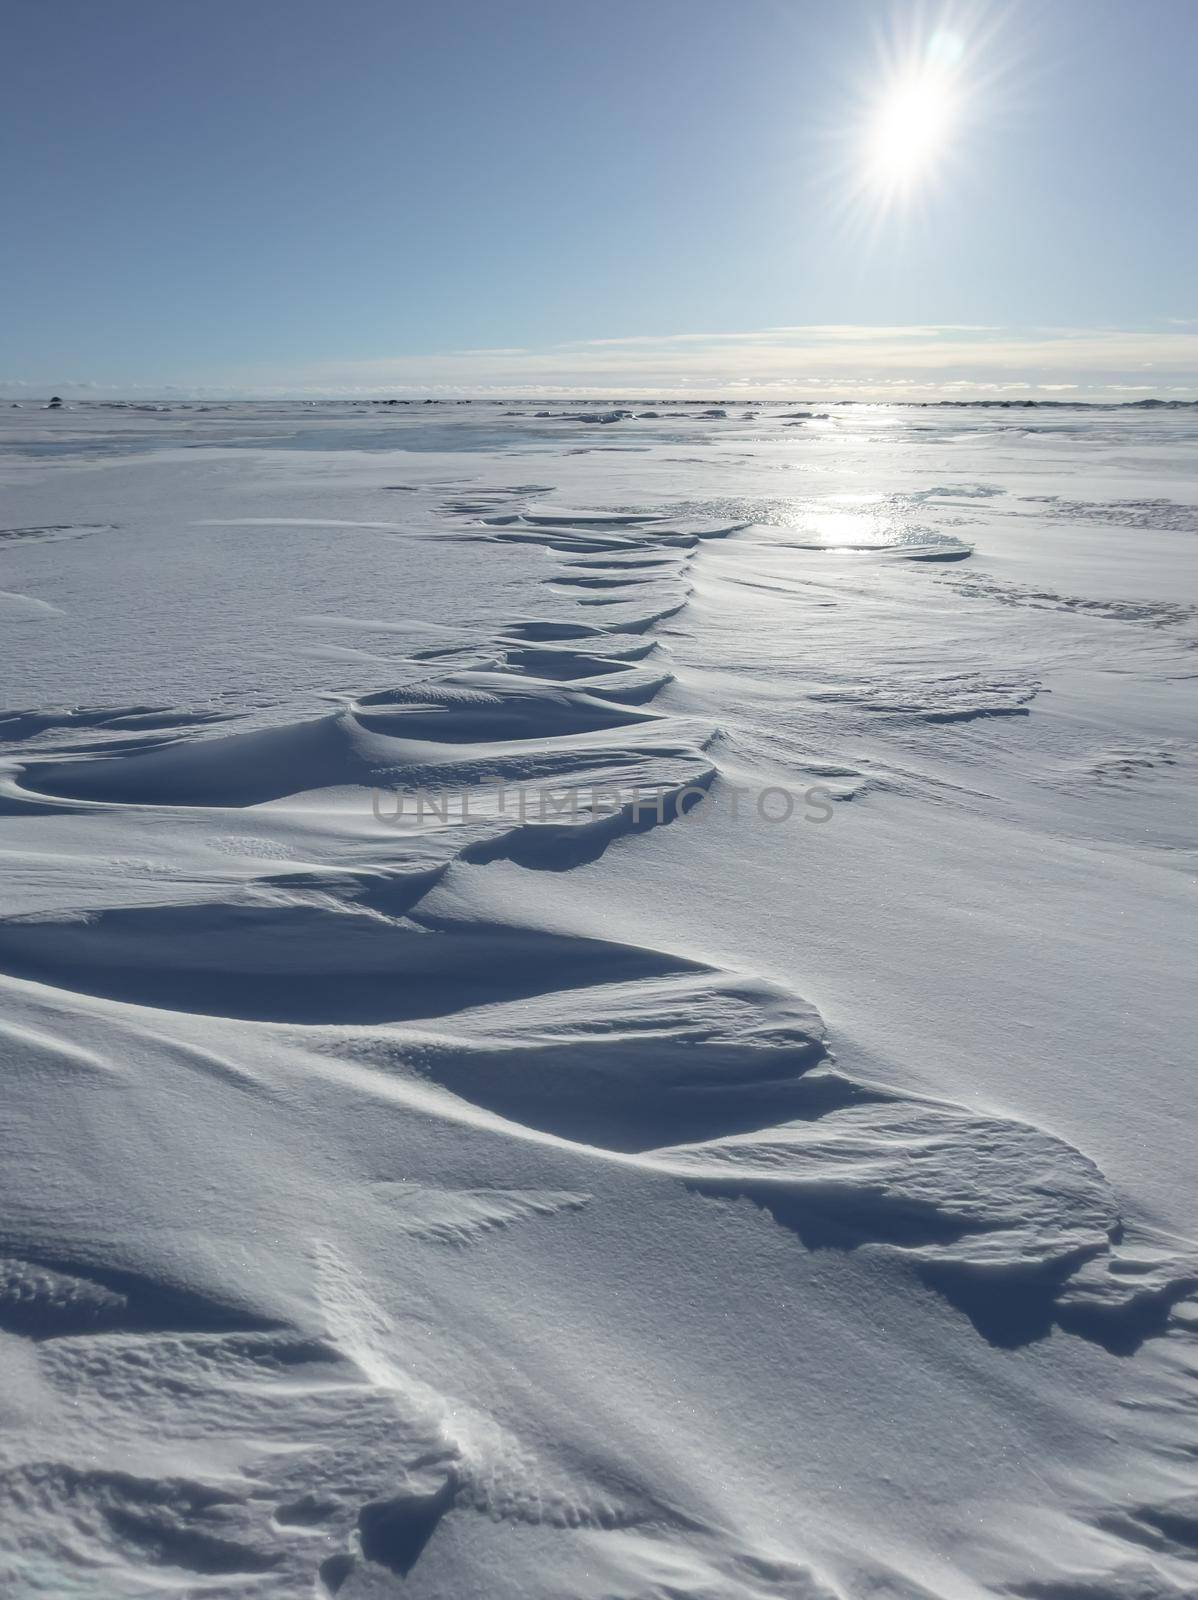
(834, 361)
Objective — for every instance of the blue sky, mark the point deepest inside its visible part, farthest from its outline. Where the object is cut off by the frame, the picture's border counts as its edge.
(638, 195)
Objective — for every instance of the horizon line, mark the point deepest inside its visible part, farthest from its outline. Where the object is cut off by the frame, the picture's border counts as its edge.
(308, 397)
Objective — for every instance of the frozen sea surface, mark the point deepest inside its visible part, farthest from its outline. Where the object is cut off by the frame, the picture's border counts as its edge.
(598, 1006)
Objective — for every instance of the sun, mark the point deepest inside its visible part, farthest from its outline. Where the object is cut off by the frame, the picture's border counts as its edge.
(910, 128)
(910, 124)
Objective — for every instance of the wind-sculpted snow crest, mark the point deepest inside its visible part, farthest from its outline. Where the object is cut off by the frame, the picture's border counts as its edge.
(1012, 1226)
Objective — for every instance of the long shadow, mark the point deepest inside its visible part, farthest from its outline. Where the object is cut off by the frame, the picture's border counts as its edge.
(644, 1097)
(306, 963)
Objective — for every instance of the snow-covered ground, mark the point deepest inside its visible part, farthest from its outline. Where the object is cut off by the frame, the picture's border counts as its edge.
(598, 1009)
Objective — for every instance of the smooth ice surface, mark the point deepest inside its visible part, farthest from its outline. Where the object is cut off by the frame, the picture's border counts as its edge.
(597, 1004)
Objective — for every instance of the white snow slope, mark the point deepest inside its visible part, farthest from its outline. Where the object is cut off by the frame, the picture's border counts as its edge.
(778, 1189)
